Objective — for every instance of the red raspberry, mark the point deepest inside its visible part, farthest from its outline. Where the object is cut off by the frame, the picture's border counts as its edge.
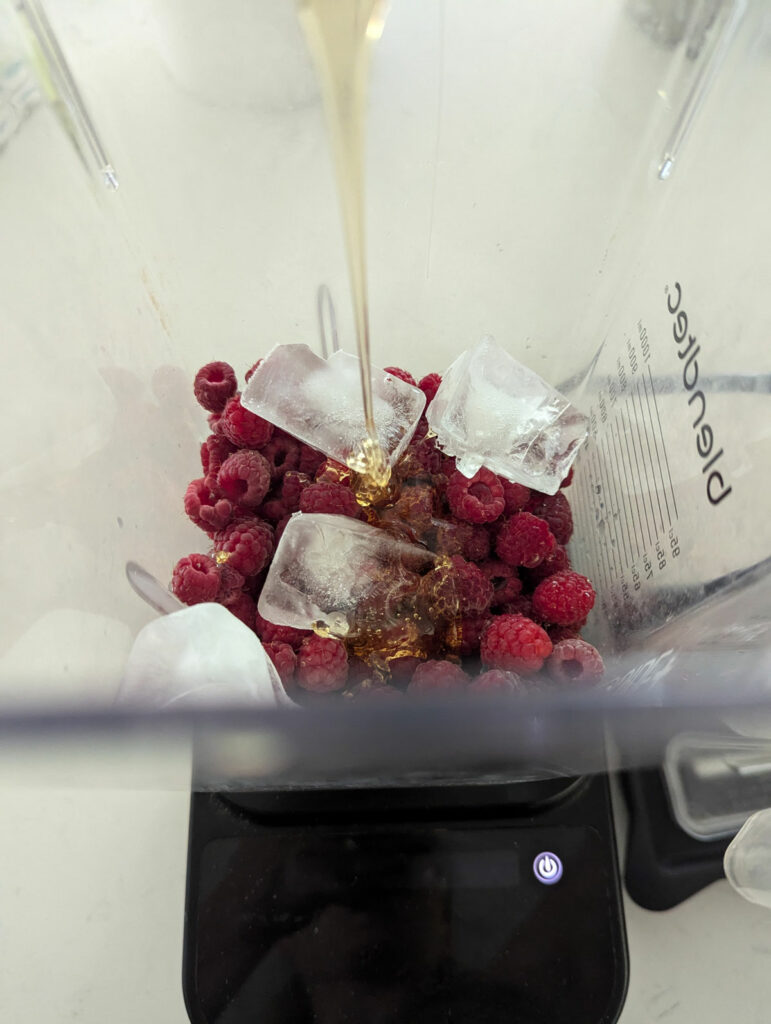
(273, 510)
(214, 422)
(564, 598)
(568, 479)
(292, 488)
(309, 460)
(332, 498)
(515, 496)
(332, 472)
(414, 508)
(555, 562)
(555, 509)
(250, 371)
(214, 450)
(496, 682)
(438, 594)
(242, 427)
(284, 658)
(231, 585)
(206, 510)
(515, 643)
(395, 371)
(471, 629)
(476, 500)
(476, 546)
(427, 455)
(322, 664)
(437, 678)
(249, 543)
(402, 668)
(506, 583)
(195, 579)
(244, 477)
(282, 453)
(429, 385)
(524, 540)
(575, 660)
(280, 527)
(269, 633)
(214, 384)
(521, 605)
(243, 608)
(475, 591)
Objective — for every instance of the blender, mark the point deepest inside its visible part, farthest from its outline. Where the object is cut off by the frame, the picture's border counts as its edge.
(593, 198)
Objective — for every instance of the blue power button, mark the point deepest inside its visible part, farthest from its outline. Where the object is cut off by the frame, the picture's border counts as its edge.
(547, 868)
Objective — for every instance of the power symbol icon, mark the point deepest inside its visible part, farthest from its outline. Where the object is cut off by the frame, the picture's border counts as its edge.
(547, 868)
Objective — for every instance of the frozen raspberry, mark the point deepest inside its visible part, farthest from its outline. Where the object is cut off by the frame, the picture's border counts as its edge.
(568, 479)
(564, 598)
(471, 629)
(476, 545)
(332, 472)
(206, 510)
(437, 678)
(520, 605)
(280, 527)
(555, 509)
(395, 371)
(506, 583)
(273, 509)
(243, 607)
(214, 450)
(292, 488)
(248, 543)
(282, 453)
(475, 591)
(429, 385)
(322, 664)
(309, 460)
(402, 668)
(250, 371)
(421, 430)
(496, 682)
(414, 507)
(195, 579)
(575, 660)
(269, 632)
(476, 500)
(557, 633)
(244, 478)
(214, 420)
(524, 540)
(242, 427)
(284, 658)
(515, 644)
(214, 384)
(332, 498)
(515, 496)
(427, 455)
(438, 594)
(555, 562)
(231, 584)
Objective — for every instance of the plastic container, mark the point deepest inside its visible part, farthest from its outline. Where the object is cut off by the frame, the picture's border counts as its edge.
(592, 192)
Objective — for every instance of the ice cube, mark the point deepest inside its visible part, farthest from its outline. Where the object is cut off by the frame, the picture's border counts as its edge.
(492, 411)
(319, 401)
(201, 655)
(354, 581)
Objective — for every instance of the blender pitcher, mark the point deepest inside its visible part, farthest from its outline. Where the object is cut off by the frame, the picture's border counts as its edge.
(592, 194)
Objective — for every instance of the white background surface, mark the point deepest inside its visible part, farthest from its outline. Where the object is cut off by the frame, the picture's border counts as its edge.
(91, 919)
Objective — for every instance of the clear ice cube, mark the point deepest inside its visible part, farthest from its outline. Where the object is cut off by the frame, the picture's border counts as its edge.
(357, 582)
(492, 411)
(202, 655)
(319, 401)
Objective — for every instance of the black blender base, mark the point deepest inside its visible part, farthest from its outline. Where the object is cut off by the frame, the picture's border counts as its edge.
(405, 906)
(664, 865)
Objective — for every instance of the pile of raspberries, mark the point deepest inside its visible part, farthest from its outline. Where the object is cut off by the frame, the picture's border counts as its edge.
(519, 605)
